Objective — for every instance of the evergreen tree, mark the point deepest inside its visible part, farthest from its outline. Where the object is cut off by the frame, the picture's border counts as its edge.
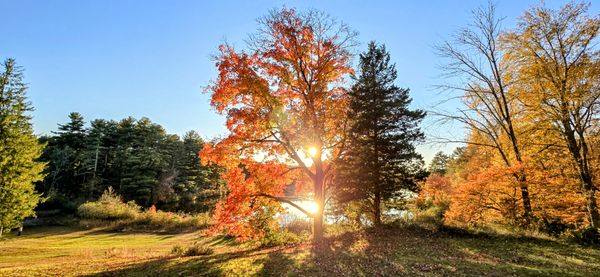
(381, 162)
(65, 151)
(196, 184)
(19, 150)
(439, 163)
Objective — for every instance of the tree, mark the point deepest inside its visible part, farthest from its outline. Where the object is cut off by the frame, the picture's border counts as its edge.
(557, 61)
(439, 164)
(66, 150)
(285, 106)
(19, 150)
(380, 161)
(490, 111)
(195, 184)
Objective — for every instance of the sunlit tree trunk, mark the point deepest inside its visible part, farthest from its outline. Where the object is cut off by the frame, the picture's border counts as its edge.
(320, 203)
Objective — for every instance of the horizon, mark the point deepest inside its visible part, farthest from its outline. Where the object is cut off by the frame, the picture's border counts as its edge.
(122, 59)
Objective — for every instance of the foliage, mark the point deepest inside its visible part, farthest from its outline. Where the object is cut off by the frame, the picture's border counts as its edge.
(381, 162)
(432, 215)
(110, 206)
(554, 56)
(19, 150)
(439, 163)
(532, 121)
(149, 165)
(281, 98)
(279, 238)
(488, 112)
(587, 236)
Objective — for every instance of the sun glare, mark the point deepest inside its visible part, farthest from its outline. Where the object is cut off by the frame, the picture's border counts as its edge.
(312, 151)
(312, 207)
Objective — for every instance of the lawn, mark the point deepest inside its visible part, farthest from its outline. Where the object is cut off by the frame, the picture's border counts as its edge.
(62, 251)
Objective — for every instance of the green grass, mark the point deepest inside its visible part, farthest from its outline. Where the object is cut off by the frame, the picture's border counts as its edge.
(409, 251)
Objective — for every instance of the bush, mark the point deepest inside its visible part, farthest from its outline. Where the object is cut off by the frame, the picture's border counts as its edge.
(178, 250)
(432, 215)
(587, 236)
(194, 250)
(109, 207)
(553, 227)
(279, 238)
(299, 227)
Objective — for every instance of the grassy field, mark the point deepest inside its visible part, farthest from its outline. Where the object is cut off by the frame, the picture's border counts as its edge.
(62, 251)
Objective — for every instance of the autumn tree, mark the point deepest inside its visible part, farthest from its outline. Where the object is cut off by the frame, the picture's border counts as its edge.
(381, 162)
(285, 107)
(558, 64)
(489, 111)
(19, 150)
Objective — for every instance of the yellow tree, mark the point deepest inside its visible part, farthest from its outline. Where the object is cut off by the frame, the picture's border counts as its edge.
(489, 111)
(285, 105)
(557, 64)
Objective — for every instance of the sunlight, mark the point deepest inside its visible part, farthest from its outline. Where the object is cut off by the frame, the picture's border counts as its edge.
(312, 207)
(312, 151)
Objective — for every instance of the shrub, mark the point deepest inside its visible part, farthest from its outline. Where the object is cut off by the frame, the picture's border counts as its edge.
(199, 250)
(278, 238)
(109, 207)
(587, 236)
(432, 215)
(552, 227)
(196, 249)
(178, 250)
(299, 227)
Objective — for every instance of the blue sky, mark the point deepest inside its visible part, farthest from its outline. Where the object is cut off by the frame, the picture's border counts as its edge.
(116, 58)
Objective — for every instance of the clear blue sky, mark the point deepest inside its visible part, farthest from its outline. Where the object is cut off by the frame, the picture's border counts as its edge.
(113, 59)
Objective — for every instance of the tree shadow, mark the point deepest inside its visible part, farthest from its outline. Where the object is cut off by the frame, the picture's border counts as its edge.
(209, 265)
(385, 251)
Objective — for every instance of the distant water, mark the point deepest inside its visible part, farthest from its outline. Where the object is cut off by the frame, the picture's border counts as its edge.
(293, 214)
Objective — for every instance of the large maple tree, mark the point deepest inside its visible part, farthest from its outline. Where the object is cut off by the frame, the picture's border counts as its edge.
(285, 103)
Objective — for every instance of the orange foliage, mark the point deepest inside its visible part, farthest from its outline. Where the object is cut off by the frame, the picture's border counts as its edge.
(279, 99)
(437, 189)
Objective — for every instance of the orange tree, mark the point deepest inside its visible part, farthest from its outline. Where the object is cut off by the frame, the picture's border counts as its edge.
(285, 107)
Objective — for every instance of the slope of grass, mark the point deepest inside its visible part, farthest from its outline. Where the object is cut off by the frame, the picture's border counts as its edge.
(383, 252)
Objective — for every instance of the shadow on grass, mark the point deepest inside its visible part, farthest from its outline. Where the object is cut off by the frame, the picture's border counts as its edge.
(386, 251)
(44, 231)
(210, 265)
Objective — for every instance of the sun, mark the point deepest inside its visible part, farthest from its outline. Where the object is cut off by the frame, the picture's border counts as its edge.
(312, 151)
(312, 207)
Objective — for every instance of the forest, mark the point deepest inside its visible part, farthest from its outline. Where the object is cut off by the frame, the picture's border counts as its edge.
(320, 170)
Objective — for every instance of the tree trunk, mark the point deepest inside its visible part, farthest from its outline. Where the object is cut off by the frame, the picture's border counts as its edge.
(320, 203)
(527, 213)
(579, 152)
(377, 209)
(592, 206)
(1, 230)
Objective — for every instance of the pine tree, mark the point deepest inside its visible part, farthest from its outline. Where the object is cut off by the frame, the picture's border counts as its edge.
(195, 183)
(381, 161)
(67, 149)
(19, 150)
(439, 164)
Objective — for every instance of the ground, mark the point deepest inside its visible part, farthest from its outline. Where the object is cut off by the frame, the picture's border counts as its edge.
(64, 251)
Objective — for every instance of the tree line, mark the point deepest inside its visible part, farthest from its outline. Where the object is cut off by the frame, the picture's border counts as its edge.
(137, 158)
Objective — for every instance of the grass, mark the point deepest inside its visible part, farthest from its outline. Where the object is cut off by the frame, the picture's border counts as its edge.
(408, 251)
